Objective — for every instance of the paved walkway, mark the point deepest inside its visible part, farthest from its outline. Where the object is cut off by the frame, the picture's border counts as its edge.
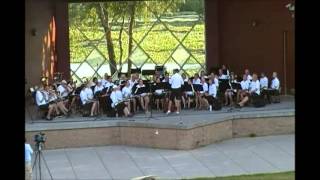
(230, 157)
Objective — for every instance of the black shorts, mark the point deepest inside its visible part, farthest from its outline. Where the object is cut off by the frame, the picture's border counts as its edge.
(88, 106)
(120, 106)
(44, 107)
(158, 96)
(175, 93)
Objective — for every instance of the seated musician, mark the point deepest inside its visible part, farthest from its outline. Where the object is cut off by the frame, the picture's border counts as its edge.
(109, 82)
(254, 90)
(211, 94)
(201, 94)
(143, 97)
(127, 93)
(86, 96)
(53, 99)
(190, 93)
(176, 82)
(196, 79)
(183, 97)
(222, 75)
(247, 72)
(202, 74)
(166, 78)
(118, 103)
(104, 81)
(159, 93)
(98, 93)
(42, 101)
(225, 71)
(244, 88)
(122, 79)
(64, 90)
(274, 89)
(263, 84)
(133, 80)
(184, 77)
(230, 92)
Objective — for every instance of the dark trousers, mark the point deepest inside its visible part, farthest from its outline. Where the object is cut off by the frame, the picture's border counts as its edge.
(269, 93)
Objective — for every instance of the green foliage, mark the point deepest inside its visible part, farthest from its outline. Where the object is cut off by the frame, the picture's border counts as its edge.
(86, 33)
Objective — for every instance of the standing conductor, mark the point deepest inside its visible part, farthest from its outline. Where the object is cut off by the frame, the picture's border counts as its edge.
(176, 82)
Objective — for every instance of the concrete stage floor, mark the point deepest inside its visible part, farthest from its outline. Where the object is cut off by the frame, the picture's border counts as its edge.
(186, 119)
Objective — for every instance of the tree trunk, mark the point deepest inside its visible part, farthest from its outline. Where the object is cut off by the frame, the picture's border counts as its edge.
(132, 8)
(103, 15)
(120, 44)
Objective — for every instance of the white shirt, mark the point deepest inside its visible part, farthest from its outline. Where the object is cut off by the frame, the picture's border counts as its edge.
(63, 91)
(275, 83)
(176, 81)
(249, 77)
(255, 86)
(245, 84)
(103, 82)
(42, 97)
(27, 153)
(196, 81)
(98, 88)
(86, 95)
(89, 93)
(216, 82)
(205, 87)
(212, 90)
(126, 91)
(264, 82)
(132, 82)
(116, 97)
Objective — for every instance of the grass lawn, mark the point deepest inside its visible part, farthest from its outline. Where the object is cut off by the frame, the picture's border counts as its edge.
(272, 176)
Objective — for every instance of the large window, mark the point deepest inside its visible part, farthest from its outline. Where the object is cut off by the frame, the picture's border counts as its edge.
(112, 37)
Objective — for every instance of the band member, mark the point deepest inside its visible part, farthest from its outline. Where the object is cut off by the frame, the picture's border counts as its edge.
(202, 73)
(190, 94)
(184, 77)
(133, 80)
(127, 93)
(118, 103)
(86, 96)
(109, 82)
(254, 90)
(105, 79)
(53, 99)
(201, 99)
(247, 72)
(176, 82)
(64, 90)
(159, 94)
(225, 71)
(274, 88)
(42, 101)
(166, 78)
(244, 88)
(263, 81)
(143, 97)
(196, 79)
(230, 92)
(122, 79)
(221, 75)
(211, 94)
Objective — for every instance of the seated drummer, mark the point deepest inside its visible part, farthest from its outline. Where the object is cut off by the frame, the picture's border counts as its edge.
(211, 94)
(42, 101)
(118, 103)
(86, 96)
(254, 90)
(143, 97)
(127, 93)
(244, 88)
(159, 93)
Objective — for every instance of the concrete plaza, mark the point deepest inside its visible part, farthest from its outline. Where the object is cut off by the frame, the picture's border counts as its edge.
(231, 157)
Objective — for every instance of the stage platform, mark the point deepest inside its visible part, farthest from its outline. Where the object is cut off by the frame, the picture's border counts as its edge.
(188, 130)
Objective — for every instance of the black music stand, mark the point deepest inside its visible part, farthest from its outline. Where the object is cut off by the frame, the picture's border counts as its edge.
(137, 70)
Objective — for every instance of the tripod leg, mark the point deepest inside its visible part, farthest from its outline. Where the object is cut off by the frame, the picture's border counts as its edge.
(45, 163)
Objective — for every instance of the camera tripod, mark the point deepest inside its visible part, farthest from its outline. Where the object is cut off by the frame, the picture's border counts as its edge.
(36, 167)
